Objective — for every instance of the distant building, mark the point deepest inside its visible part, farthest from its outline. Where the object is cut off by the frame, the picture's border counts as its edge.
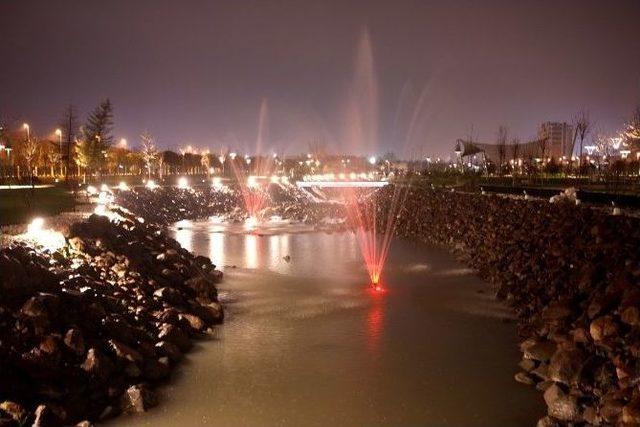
(559, 138)
(480, 153)
(554, 140)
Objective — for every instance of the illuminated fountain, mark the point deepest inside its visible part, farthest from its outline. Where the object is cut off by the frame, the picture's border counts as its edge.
(372, 215)
(251, 173)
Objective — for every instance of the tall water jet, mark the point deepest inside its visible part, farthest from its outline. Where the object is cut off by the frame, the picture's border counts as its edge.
(250, 171)
(373, 222)
(362, 106)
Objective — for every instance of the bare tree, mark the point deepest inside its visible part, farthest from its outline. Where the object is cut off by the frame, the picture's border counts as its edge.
(205, 161)
(501, 142)
(69, 128)
(160, 165)
(29, 152)
(632, 131)
(582, 125)
(515, 147)
(149, 152)
(542, 146)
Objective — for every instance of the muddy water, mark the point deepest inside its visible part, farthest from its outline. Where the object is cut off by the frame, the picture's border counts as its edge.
(305, 342)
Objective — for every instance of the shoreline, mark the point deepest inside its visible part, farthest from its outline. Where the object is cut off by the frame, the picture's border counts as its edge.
(574, 318)
(570, 274)
(90, 328)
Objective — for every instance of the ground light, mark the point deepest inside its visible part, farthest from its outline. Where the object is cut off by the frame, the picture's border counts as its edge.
(151, 185)
(183, 183)
(217, 182)
(91, 190)
(47, 239)
(123, 186)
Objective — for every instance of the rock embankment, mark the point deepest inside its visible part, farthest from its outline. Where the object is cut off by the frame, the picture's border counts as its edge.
(167, 205)
(572, 275)
(88, 330)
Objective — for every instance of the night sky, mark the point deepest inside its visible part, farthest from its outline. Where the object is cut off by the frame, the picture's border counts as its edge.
(197, 72)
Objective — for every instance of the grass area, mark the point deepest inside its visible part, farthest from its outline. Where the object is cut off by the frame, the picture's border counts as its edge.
(20, 205)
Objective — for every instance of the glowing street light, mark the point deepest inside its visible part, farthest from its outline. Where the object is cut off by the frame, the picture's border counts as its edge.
(26, 128)
(372, 160)
(122, 143)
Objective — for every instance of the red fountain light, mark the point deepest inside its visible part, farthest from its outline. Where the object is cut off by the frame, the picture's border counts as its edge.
(374, 229)
(254, 196)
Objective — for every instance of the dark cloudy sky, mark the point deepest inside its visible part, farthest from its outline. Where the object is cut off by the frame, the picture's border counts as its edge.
(196, 72)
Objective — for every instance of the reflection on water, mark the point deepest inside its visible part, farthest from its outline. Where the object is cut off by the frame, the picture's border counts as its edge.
(375, 321)
(184, 234)
(275, 247)
(306, 343)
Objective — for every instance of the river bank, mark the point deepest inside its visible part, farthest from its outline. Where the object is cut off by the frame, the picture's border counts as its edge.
(570, 273)
(95, 318)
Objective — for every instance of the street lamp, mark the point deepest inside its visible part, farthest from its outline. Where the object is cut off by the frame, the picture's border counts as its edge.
(123, 143)
(59, 134)
(25, 126)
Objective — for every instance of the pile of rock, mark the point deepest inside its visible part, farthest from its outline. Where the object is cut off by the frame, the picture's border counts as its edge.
(168, 205)
(571, 273)
(88, 330)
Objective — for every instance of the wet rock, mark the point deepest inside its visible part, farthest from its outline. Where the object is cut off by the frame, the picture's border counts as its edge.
(538, 350)
(14, 410)
(174, 335)
(602, 328)
(565, 366)
(631, 413)
(565, 408)
(631, 316)
(74, 341)
(96, 364)
(48, 416)
(194, 322)
(527, 365)
(155, 370)
(137, 398)
(547, 421)
(169, 350)
(124, 352)
(524, 378)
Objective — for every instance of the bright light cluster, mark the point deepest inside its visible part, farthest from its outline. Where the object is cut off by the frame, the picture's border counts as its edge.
(183, 183)
(123, 186)
(216, 182)
(92, 191)
(47, 239)
(341, 176)
(151, 185)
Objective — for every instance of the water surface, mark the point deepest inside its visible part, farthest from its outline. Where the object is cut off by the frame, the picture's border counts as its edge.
(305, 343)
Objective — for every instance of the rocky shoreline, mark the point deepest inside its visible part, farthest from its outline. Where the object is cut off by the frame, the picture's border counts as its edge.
(571, 273)
(89, 329)
(167, 205)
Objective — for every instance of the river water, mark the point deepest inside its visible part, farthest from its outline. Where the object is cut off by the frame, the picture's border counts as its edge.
(305, 343)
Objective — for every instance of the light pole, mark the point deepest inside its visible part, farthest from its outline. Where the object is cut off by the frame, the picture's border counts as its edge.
(25, 126)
